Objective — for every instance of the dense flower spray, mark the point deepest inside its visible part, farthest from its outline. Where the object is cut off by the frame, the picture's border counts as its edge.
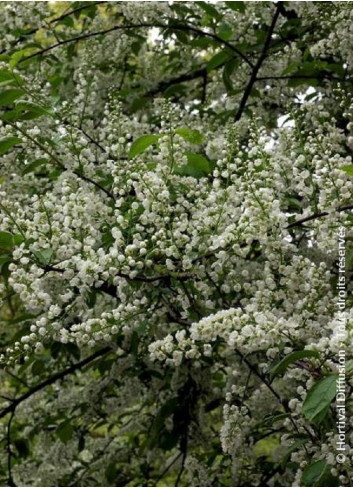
(173, 179)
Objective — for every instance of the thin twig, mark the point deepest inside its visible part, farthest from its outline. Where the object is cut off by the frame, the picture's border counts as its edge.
(162, 86)
(75, 11)
(258, 65)
(180, 27)
(56, 160)
(54, 378)
(271, 389)
(317, 215)
(53, 21)
(182, 467)
(17, 378)
(167, 468)
(85, 133)
(11, 481)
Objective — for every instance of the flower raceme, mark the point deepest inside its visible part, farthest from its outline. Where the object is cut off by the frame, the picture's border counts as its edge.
(168, 274)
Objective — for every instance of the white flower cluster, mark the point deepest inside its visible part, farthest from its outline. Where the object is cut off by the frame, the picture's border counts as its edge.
(198, 252)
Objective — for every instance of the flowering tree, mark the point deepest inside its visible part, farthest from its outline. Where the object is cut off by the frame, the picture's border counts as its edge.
(175, 229)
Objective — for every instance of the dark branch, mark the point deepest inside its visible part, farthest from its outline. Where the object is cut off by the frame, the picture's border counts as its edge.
(11, 482)
(54, 378)
(162, 86)
(75, 11)
(259, 375)
(85, 133)
(167, 468)
(53, 21)
(317, 215)
(322, 76)
(263, 379)
(181, 27)
(111, 289)
(56, 160)
(258, 65)
(96, 184)
(204, 87)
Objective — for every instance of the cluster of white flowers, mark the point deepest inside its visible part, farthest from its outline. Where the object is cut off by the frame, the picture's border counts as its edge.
(198, 251)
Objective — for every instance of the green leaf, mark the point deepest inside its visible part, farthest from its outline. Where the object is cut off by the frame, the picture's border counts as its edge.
(290, 68)
(218, 59)
(10, 115)
(141, 144)
(320, 396)
(347, 169)
(72, 350)
(134, 344)
(198, 166)
(65, 431)
(104, 365)
(225, 31)
(193, 136)
(15, 58)
(168, 440)
(210, 10)
(6, 241)
(182, 37)
(4, 261)
(314, 473)
(228, 70)
(9, 78)
(349, 366)
(280, 367)
(6, 77)
(111, 473)
(22, 447)
(7, 143)
(32, 110)
(7, 97)
(203, 43)
(321, 416)
(139, 103)
(170, 406)
(293, 202)
(301, 79)
(18, 239)
(270, 419)
(34, 165)
(265, 447)
(68, 21)
(297, 444)
(56, 348)
(44, 256)
(5, 272)
(236, 6)
(38, 367)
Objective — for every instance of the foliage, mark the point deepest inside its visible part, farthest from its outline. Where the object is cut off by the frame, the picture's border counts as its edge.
(173, 180)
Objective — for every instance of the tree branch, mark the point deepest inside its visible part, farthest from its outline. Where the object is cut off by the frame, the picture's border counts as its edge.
(51, 380)
(53, 21)
(85, 133)
(11, 482)
(74, 11)
(181, 27)
(167, 468)
(258, 65)
(259, 375)
(317, 215)
(322, 76)
(96, 184)
(163, 85)
(59, 163)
